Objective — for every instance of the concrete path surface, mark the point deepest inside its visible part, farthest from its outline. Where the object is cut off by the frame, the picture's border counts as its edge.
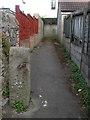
(51, 97)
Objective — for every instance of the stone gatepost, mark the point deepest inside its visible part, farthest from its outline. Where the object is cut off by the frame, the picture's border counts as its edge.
(19, 75)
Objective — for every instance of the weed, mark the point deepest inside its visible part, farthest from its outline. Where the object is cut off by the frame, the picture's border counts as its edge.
(80, 86)
(35, 46)
(6, 46)
(19, 106)
(5, 92)
(66, 53)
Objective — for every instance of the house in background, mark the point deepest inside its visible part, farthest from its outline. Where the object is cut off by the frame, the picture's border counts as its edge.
(65, 7)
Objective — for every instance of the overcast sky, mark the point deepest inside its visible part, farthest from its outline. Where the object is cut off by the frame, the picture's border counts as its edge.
(43, 7)
(73, 0)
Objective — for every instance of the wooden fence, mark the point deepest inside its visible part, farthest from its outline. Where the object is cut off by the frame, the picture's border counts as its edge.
(77, 39)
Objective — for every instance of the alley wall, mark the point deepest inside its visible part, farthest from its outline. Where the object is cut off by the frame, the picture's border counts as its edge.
(76, 38)
(9, 36)
(31, 29)
(50, 30)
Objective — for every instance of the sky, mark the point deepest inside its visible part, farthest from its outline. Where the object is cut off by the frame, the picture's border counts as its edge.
(73, 0)
(43, 7)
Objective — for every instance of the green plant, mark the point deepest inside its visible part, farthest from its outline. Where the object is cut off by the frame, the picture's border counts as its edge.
(35, 46)
(19, 106)
(6, 46)
(66, 53)
(80, 86)
(5, 92)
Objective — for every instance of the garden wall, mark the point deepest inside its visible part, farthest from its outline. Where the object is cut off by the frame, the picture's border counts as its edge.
(30, 29)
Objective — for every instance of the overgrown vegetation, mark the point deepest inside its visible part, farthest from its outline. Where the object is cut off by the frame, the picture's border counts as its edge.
(80, 86)
(35, 46)
(19, 106)
(5, 45)
(5, 50)
(5, 91)
(66, 53)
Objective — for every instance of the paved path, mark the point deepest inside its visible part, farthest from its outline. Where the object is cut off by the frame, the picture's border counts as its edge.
(51, 97)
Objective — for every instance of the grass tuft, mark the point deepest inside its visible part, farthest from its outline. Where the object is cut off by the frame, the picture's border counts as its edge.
(5, 93)
(80, 86)
(19, 106)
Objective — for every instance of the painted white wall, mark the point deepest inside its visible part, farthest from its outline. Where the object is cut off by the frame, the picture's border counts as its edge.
(43, 7)
(50, 30)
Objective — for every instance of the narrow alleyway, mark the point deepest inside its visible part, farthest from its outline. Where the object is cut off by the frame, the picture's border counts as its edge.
(51, 97)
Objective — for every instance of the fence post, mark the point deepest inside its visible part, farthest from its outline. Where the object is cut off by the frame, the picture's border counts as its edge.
(83, 41)
(71, 17)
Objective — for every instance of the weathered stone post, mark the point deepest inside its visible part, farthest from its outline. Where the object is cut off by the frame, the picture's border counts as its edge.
(19, 75)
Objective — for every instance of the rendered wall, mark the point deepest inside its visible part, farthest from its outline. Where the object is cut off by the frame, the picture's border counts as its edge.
(19, 75)
(50, 30)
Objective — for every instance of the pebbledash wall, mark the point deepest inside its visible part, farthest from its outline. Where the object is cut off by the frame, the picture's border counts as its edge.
(9, 25)
(9, 33)
(9, 36)
(30, 29)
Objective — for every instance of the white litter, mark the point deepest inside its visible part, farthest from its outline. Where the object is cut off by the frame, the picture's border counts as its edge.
(56, 43)
(45, 103)
(40, 96)
(79, 90)
(16, 83)
(20, 83)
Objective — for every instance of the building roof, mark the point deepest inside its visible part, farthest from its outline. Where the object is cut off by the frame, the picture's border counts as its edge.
(72, 6)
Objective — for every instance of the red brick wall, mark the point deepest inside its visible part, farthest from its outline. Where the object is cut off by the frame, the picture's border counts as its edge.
(28, 26)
